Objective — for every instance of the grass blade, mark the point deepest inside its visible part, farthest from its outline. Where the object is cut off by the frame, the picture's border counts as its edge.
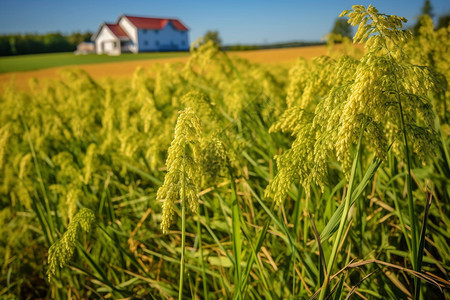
(202, 259)
(333, 223)
(321, 255)
(253, 258)
(422, 244)
(236, 233)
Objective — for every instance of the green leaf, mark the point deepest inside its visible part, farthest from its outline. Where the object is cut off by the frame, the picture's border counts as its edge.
(333, 224)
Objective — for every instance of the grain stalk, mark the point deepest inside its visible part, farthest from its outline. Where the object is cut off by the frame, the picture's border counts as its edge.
(347, 205)
(180, 180)
(183, 231)
(236, 235)
(377, 30)
(411, 203)
(201, 259)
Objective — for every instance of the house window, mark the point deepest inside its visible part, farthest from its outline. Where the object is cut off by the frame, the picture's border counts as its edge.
(144, 31)
(156, 31)
(145, 43)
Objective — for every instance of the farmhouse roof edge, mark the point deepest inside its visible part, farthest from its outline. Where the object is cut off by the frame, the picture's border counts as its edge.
(156, 23)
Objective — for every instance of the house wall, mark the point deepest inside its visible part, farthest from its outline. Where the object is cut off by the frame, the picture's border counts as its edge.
(166, 39)
(107, 43)
(132, 33)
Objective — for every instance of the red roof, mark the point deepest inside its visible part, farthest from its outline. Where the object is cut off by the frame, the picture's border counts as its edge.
(178, 25)
(117, 30)
(155, 23)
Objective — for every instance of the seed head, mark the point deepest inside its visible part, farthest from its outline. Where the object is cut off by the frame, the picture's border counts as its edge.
(183, 168)
(61, 251)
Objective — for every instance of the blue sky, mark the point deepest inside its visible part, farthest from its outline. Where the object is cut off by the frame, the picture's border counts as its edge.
(242, 21)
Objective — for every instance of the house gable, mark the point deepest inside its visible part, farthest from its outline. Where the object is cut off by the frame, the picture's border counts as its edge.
(106, 42)
(118, 31)
(128, 27)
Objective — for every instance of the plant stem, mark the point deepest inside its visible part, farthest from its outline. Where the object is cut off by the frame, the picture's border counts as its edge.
(411, 203)
(201, 258)
(49, 219)
(347, 206)
(183, 232)
(236, 234)
(397, 205)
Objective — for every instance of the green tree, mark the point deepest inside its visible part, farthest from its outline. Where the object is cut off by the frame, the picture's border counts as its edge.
(444, 22)
(342, 27)
(77, 37)
(56, 42)
(427, 9)
(212, 35)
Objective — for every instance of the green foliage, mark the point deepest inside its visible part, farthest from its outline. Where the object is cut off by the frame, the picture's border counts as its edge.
(243, 47)
(46, 43)
(341, 27)
(426, 11)
(443, 22)
(212, 35)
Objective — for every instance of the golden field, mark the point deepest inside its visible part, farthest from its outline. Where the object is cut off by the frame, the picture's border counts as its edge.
(126, 69)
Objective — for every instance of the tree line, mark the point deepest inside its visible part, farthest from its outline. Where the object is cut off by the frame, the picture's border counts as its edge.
(17, 44)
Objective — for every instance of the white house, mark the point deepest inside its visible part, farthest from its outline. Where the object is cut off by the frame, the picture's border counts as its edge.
(141, 34)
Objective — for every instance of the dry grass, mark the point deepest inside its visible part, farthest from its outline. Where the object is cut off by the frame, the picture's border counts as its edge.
(97, 71)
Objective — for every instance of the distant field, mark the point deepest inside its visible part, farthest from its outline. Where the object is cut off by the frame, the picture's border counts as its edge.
(33, 62)
(47, 66)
